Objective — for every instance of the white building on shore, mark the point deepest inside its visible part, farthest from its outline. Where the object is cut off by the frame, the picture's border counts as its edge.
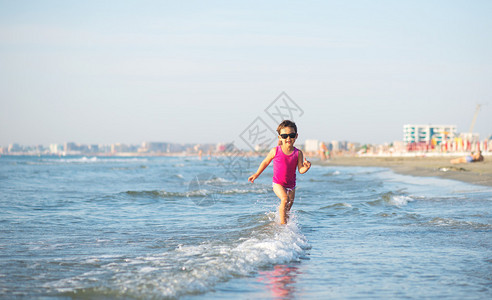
(426, 133)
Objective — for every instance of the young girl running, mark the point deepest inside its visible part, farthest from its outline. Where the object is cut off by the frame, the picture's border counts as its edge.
(286, 158)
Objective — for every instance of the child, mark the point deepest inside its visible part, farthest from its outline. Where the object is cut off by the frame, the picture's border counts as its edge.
(285, 158)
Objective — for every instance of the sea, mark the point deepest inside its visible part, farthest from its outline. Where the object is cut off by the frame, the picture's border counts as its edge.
(182, 227)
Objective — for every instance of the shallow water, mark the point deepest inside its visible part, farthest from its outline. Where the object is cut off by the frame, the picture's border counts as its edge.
(175, 227)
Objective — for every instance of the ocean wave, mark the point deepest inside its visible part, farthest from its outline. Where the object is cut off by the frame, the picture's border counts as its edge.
(338, 206)
(334, 173)
(393, 199)
(399, 200)
(458, 224)
(129, 168)
(191, 269)
(196, 192)
(94, 159)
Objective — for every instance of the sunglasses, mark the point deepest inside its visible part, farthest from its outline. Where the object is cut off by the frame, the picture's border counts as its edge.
(291, 135)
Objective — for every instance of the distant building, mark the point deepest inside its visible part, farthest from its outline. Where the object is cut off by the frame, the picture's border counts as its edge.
(311, 145)
(123, 148)
(104, 148)
(427, 133)
(93, 148)
(334, 146)
(15, 148)
(55, 148)
(156, 147)
(70, 147)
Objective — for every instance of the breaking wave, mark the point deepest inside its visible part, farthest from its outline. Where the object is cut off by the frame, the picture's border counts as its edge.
(191, 269)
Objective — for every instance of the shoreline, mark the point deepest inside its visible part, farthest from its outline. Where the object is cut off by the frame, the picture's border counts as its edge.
(479, 173)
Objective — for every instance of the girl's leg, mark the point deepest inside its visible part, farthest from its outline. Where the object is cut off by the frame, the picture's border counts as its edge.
(290, 199)
(282, 195)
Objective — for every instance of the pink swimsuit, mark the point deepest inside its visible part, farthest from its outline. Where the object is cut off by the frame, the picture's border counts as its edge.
(284, 168)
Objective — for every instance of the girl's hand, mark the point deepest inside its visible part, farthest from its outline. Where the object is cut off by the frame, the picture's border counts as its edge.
(306, 164)
(252, 178)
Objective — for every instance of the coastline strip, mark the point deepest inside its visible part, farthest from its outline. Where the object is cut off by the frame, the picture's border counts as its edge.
(475, 173)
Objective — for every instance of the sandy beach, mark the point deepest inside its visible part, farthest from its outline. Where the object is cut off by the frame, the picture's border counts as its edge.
(475, 173)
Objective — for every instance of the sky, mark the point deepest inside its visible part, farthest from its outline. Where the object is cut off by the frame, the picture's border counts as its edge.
(102, 72)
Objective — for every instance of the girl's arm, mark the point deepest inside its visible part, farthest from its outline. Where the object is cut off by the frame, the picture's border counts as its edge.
(303, 164)
(263, 165)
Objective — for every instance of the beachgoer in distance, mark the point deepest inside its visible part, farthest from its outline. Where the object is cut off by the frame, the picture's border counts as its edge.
(286, 158)
(474, 157)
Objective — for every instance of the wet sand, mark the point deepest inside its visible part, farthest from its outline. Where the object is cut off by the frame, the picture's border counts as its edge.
(475, 173)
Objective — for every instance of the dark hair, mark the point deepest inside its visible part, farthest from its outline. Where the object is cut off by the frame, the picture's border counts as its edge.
(286, 123)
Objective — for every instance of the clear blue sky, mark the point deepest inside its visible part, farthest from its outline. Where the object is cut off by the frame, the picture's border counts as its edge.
(202, 71)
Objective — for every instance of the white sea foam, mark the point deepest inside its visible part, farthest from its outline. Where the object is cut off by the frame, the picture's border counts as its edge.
(195, 268)
(399, 200)
(84, 159)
